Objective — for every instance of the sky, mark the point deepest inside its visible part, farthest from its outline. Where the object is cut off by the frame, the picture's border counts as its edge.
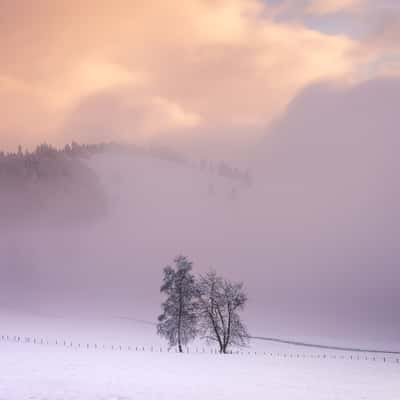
(216, 73)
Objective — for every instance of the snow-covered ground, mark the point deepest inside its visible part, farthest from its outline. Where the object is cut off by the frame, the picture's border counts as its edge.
(34, 371)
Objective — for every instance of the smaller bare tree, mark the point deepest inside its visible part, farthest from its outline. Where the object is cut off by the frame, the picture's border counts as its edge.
(219, 304)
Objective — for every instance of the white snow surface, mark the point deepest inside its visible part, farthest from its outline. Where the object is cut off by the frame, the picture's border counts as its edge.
(39, 372)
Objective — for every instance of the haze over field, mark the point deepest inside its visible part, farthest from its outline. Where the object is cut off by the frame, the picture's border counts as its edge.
(314, 236)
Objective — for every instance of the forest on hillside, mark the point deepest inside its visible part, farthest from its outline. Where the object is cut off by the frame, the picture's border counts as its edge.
(58, 186)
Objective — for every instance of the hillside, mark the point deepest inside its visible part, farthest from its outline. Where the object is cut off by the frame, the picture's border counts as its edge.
(48, 188)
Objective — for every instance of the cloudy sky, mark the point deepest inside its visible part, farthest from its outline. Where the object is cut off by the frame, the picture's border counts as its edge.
(218, 70)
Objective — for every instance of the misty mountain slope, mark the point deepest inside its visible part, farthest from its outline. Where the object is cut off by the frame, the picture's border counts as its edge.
(48, 188)
(152, 191)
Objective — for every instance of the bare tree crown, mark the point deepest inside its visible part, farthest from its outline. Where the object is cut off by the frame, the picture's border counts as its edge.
(209, 305)
(219, 303)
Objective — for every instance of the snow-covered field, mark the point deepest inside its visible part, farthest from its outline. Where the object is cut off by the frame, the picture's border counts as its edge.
(32, 371)
(265, 370)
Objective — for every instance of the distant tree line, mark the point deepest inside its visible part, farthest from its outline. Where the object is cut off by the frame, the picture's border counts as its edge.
(24, 173)
(58, 183)
(207, 306)
(77, 150)
(26, 162)
(50, 186)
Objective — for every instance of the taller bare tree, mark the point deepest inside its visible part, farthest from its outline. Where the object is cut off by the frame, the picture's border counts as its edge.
(178, 321)
(219, 304)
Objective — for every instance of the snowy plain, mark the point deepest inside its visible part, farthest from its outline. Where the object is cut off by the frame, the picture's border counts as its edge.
(38, 372)
(125, 360)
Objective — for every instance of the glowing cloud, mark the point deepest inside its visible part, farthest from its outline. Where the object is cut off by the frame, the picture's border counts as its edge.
(190, 65)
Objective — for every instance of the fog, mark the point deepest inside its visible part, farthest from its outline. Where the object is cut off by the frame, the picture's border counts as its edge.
(314, 237)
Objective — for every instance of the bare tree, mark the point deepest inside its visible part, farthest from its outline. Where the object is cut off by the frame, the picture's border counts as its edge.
(178, 322)
(219, 304)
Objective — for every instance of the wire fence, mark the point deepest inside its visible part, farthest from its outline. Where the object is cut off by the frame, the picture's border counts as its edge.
(86, 346)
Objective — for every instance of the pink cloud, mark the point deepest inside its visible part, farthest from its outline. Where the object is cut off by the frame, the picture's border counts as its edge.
(198, 64)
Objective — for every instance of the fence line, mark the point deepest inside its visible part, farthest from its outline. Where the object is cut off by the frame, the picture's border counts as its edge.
(200, 350)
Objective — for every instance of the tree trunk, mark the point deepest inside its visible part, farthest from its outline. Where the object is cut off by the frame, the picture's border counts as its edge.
(222, 348)
(180, 318)
(179, 338)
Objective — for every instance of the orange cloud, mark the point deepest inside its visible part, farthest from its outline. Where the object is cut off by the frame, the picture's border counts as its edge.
(190, 65)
